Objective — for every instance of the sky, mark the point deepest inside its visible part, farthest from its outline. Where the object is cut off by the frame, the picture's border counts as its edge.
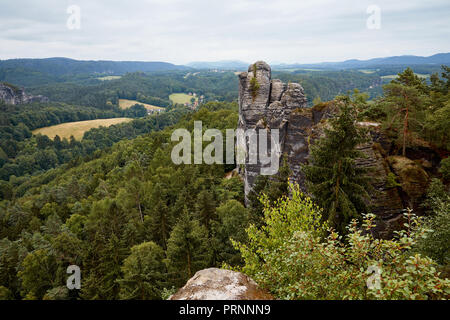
(181, 31)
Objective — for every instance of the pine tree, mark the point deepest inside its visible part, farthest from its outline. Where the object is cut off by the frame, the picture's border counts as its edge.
(405, 101)
(206, 208)
(332, 177)
(188, 248)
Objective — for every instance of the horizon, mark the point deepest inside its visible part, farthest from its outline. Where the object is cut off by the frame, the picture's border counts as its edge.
(181, 32)
(228, 60)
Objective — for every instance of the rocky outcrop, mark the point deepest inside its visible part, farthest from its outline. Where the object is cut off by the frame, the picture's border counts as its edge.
(276, 105)
(265, 104)
(220, 284)
(10, 94)
(412, 177)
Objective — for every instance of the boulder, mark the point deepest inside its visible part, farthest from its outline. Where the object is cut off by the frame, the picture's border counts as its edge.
(220, 284)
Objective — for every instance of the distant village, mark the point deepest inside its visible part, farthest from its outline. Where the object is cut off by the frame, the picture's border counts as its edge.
(195, 100)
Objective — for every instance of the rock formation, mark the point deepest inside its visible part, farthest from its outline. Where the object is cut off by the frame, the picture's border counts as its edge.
(269, 104)
(10, 94)
(220, 284)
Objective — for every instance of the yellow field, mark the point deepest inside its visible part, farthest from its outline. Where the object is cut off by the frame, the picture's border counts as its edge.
(125, 104)
(78, 128)
(393, 76)
(181, 98)
(106, 78)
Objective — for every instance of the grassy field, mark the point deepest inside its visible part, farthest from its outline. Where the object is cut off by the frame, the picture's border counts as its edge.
(393, 76)
(77, 129)
(181, 98)
(109, 78)
(367, 71)
(125, 104)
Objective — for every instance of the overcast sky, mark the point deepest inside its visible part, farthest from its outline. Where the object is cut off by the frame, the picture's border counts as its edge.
(208, 30)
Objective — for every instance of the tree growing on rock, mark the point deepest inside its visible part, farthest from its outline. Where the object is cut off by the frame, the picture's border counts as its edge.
(332, 177)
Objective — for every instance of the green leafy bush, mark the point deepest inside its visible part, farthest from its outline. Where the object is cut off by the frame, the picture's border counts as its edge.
(437, 243)
(445, 168)
(291, 257)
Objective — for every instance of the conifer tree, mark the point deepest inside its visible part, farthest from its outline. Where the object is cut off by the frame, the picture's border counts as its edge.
(332, 177)
(188, 248)
(274, 187)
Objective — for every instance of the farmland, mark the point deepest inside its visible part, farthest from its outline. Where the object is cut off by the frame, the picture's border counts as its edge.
(125, 104)
(181, 98)
(78, 128)
(107, 78)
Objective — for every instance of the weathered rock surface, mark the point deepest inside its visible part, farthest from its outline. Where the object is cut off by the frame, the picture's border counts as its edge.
(284, 107)
(13, 95)
(220, 284)
(412, 177)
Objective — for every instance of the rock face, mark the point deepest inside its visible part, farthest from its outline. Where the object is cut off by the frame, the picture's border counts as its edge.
(268, 107)
(13, 95)
(220, 284)
(284, 106)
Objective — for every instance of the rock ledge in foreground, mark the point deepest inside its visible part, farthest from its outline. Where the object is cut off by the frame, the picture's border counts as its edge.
(220, 284)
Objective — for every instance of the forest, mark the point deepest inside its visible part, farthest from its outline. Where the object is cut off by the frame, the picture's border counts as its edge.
(139, 226)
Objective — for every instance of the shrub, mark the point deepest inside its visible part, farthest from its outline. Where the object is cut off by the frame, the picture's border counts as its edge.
(445, 168)
(437, 243)
(291, 257)
(254, 85)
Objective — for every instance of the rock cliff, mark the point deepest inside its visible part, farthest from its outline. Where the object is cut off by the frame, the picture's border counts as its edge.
(10, 94)
(271, 104)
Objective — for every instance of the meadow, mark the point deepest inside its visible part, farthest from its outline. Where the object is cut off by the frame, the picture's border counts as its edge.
(181, 98)
(125, 104)
(78, 128)
(107, 78)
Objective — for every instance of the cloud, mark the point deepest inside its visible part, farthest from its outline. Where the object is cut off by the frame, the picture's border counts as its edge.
(182, 31)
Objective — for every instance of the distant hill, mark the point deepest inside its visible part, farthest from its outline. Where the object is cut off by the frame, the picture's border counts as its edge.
(29, 72)
(221, 65)
(63, 66)
(407, 60)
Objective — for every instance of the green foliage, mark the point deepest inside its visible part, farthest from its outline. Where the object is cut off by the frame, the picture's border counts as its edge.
(5, 293)
(232, 220)
(188, 249)
(37, 274)
(28, 154)
(437, 243)
(274, 187)
(412, 109)
(391, 181)
(143, 273)
(292, 257)
(404, 106)
(254, 85)
(445, 168)
(332, 176)
(93, 212)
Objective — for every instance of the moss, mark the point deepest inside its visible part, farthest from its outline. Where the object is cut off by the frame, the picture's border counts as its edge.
(321, 106)
(254, 85)
(391, 181)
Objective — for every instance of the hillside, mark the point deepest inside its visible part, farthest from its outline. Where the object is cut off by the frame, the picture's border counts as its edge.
(435, 60)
